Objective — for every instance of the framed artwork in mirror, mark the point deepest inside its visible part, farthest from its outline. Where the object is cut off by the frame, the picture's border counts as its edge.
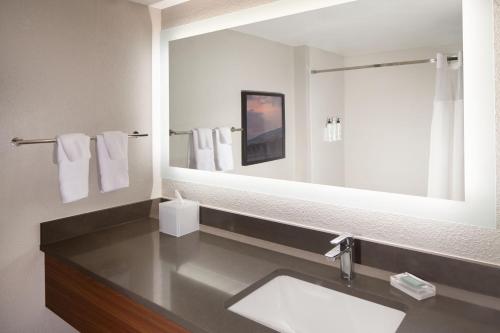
(263, 123)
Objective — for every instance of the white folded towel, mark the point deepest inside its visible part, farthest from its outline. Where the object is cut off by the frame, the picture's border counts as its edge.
(73, 155)
(205, 140)
(112, 158)
(226, 135)
(223, 149)
(116, 144)
(201, 150)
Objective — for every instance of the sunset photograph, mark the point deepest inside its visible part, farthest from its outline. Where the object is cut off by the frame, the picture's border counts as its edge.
(263, 117)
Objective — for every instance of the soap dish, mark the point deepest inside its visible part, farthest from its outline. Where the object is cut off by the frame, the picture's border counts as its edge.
(413, 286)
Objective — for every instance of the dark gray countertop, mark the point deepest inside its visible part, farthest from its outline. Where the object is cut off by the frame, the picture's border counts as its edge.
(192, 279)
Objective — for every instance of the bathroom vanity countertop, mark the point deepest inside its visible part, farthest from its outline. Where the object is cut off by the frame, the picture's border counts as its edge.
(192, 280)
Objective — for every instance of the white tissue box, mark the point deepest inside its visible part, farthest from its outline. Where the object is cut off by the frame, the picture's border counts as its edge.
(178, 218)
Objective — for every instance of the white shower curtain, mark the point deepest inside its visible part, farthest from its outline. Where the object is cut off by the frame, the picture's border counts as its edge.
(446, 156)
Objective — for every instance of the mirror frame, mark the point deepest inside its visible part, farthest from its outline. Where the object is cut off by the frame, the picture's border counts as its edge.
(479, 207)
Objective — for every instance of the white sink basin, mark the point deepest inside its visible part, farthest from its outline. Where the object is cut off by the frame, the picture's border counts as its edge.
(290, 305)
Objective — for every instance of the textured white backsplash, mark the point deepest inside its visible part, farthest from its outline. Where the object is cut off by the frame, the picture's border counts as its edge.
(452, 239)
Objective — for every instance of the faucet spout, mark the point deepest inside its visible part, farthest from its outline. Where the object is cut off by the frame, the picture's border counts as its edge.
(344, 247)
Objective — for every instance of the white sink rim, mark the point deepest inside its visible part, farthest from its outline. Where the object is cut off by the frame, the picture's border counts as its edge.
(377, 306)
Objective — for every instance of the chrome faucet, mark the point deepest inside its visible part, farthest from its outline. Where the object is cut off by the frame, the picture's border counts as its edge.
(344, 246)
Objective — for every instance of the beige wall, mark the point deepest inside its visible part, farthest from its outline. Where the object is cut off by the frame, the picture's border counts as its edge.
(326, 99)
(65, 66)
(302, 142)
(497, 100)
(219, 66)
(428, 235)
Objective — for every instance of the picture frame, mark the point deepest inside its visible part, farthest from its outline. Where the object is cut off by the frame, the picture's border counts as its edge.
(263, 123)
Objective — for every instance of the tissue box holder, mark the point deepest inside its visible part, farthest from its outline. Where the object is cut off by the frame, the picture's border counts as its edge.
(179, 218)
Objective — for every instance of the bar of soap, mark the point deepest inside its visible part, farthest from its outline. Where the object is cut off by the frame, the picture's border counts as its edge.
(413, 286)
(412, 281)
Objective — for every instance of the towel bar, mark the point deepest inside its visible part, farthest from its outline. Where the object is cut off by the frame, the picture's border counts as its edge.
(18, 141)
(172, 132)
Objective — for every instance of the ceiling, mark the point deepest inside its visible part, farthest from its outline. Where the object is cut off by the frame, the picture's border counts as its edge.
(145, 2)
(160, 4)
(368, 26)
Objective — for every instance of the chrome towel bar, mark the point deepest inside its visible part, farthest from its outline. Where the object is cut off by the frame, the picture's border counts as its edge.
(172, 132)
(18, 141)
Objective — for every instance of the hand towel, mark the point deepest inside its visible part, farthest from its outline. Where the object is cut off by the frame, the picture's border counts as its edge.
(201, 149)
(226, 135)
(112, 158)
(116, 144)
(223, 149)
(205, 140)
(73, 155)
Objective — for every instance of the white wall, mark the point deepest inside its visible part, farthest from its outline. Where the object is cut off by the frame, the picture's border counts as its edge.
(207, 75)
(388, 114)
(326, 98)
(65, 66)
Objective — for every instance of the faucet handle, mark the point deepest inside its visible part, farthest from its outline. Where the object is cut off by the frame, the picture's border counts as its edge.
(333, 253)
(345, 237)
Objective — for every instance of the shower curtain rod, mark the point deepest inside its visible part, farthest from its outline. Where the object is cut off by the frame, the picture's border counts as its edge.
(387, 64)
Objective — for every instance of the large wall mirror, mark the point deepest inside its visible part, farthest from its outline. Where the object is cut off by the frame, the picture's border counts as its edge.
(372, 95)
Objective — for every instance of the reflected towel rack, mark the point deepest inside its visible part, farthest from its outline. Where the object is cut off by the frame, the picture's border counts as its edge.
(172, 132)
(387, 64)
(18, 141)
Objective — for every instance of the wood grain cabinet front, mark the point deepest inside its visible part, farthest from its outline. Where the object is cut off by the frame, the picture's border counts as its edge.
(90, 306)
